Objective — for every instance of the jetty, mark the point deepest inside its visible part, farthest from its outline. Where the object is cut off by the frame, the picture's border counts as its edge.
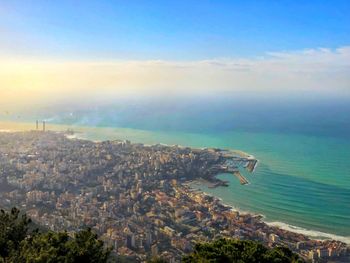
(251, 164)
(240, 177)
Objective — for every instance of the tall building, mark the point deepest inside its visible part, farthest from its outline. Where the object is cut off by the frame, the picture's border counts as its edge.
(130, 241)
(148, 238)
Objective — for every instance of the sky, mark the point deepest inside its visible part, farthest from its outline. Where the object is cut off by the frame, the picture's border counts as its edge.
(68, 50)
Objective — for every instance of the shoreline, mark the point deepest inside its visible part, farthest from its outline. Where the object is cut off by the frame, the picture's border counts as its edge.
(314, 234)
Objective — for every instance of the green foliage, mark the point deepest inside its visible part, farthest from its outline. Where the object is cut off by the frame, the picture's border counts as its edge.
(18, 245)
(58, 247)
(48, 247)
(230, 250)
(13, 229)
(85, 247)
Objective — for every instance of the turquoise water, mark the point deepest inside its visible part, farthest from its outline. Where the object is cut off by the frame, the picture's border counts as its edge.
(303, 148)
(300, 180)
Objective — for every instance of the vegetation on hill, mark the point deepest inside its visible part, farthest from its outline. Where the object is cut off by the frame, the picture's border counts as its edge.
(18, 244)
(231, 250)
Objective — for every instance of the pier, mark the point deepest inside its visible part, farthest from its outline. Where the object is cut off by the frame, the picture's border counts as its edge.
(251, 164)
(240, 177)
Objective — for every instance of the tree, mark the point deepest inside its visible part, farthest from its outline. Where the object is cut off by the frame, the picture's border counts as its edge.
(85, 247)
(13, 229)
(230, 250)
(59, 247)
(17, 244)
(47, 247)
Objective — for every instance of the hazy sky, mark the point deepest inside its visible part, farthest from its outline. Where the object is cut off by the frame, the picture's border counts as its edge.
(55, 50)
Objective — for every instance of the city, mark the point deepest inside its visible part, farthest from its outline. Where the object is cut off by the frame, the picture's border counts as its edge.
(136, 197)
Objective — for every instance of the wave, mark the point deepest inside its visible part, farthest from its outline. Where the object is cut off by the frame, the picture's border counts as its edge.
(310, 233)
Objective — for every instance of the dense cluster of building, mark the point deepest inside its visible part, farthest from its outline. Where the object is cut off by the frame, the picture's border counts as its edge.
(136, 197)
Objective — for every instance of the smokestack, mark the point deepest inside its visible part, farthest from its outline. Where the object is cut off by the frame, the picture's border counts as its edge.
(37, 125)
(43, 125)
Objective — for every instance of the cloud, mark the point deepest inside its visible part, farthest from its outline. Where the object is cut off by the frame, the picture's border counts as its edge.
(314, 71)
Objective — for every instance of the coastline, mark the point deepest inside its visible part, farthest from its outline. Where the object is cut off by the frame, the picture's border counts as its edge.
(313, 234)
(310, 233)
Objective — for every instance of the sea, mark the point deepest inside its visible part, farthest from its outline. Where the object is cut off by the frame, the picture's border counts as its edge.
(302, 180)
